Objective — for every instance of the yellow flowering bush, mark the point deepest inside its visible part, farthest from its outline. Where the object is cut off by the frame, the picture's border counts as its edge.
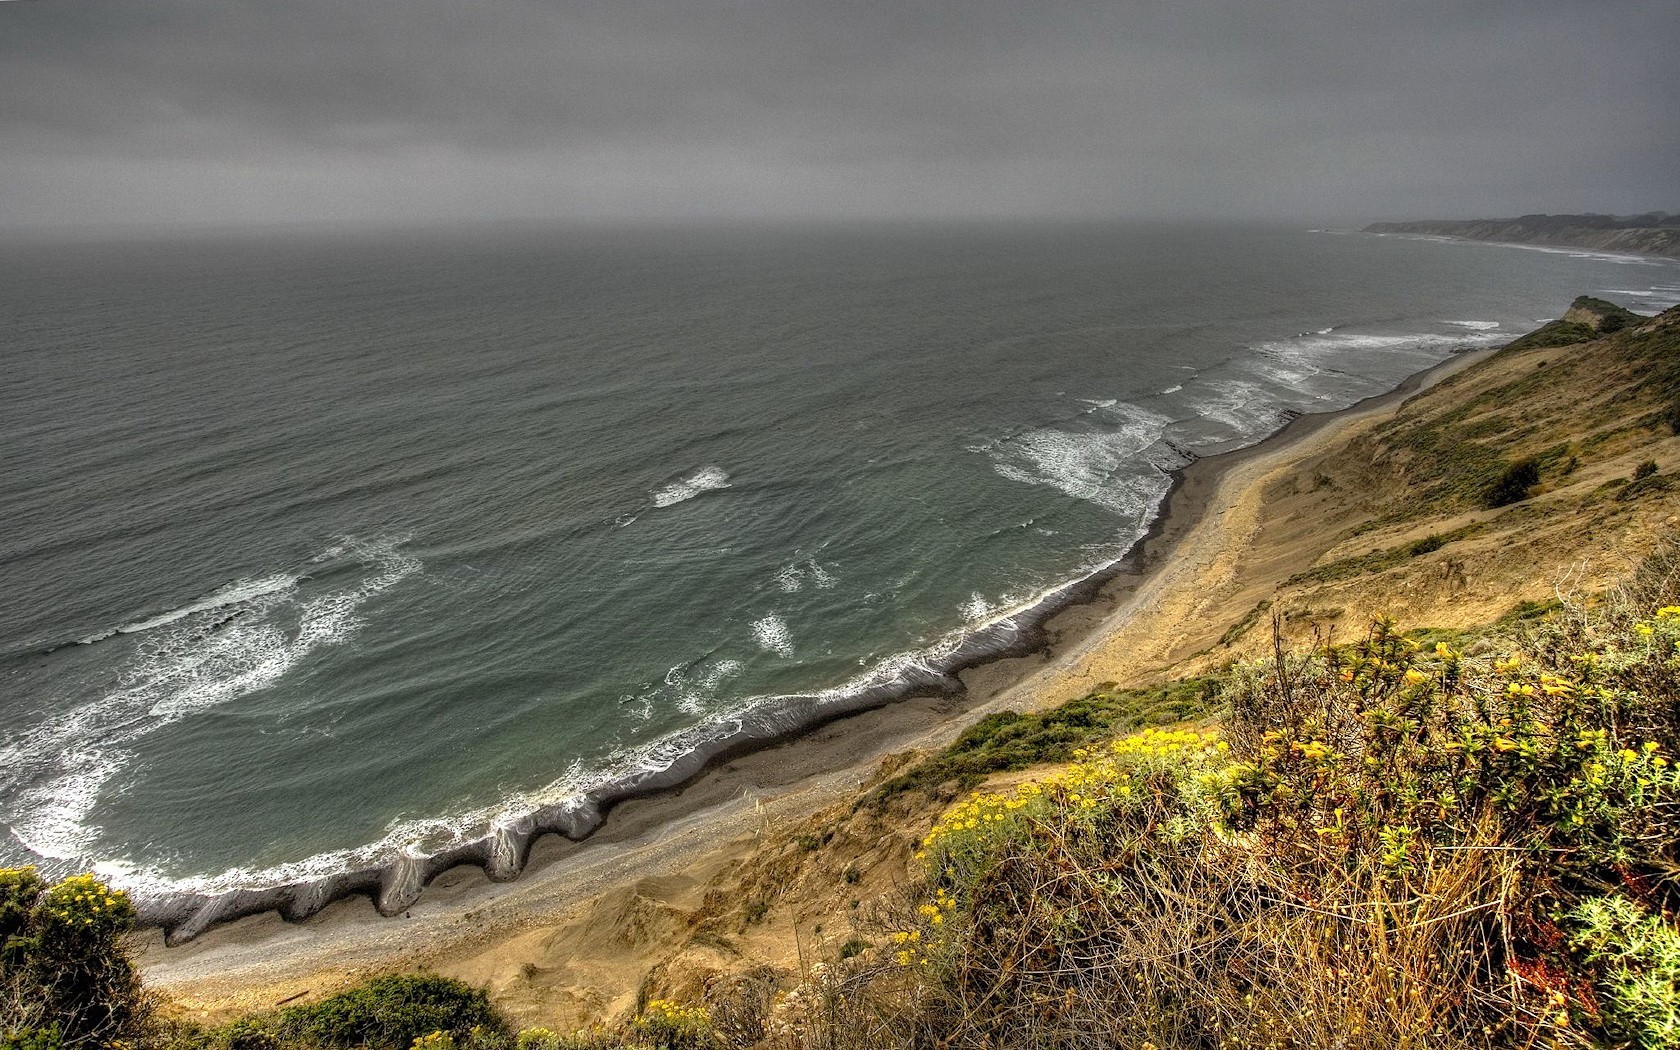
(81, 908)
(1385, 830)
(1120, 775)
(537, 1039)
(1158, 785)
(62, 951)
(670, 1025)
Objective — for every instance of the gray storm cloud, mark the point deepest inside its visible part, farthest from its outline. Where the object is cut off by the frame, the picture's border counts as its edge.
(147, 111)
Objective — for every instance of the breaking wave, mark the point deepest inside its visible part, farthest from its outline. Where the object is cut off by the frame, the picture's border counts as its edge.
(706, 479)
(235, 642)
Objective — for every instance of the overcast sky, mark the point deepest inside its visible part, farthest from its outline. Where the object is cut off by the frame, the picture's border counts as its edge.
(235, 111)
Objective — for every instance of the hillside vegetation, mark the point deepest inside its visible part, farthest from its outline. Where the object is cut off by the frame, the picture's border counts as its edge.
(1470, 501)
(1423, 793)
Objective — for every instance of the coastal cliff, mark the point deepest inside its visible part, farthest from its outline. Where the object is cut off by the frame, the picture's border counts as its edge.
(1655, 233)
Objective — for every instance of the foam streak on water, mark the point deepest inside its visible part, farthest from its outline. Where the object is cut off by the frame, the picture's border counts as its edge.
(706, 479)
(239, 641)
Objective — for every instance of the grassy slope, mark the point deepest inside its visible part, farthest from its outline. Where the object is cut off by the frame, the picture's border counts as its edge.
(1402, 513)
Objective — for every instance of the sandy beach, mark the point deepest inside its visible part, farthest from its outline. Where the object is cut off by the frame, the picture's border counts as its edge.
(1188, 581)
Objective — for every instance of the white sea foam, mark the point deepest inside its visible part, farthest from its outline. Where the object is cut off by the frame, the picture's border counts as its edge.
(771, 633)
(52, 775)
(792, 576)
(1119, 469)
(1318, 347)
(1624, 258)
(1477, 326)
(977, 608)
(705, 479)
(236, 593)
(692, 688)
(1657, 297)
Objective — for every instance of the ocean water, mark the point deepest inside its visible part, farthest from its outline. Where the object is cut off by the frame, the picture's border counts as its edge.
(320, 549)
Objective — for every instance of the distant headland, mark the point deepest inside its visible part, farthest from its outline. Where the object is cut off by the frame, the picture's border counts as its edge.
(1653, 233)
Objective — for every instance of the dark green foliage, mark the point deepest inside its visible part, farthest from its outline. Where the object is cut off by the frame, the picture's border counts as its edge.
(1644, 470)
(1529, 611)
(389, 1012)
(1427, 545)
(1007, 740)
(248, 1034)
(20, 888)
(1512, 485)
(32, 1039)
(815, 841)
(1555, 333)
(1644, 486)
(63, 964)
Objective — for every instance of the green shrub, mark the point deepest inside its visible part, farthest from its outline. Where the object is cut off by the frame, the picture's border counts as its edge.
(1008, 740)
(1427, 545)
(64, 961)
(391, 1013)
(47, 1038)
(670, 1025)
(248, 1033)
(1644, 470)
(20, 889)
(1512, 485)
(1637, 956)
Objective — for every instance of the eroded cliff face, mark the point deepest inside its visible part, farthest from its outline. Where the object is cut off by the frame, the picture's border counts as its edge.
(1653, 234)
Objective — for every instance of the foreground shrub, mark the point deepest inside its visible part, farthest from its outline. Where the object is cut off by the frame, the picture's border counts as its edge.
(65, 977)
(392, 1012)
(1387, 846)
(1637, 961)
(675, 1026)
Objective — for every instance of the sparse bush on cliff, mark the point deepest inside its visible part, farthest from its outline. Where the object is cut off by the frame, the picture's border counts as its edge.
(1512, 484)
(65, 976)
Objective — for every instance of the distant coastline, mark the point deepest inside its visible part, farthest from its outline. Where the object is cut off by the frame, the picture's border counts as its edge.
(1654, 233)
